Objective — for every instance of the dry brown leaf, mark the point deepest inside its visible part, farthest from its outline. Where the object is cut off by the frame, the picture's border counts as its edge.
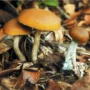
(8, 71)
(32, 77)
(64, 85)
(82, 84)
(69, 8)
(87, 16)
(76, 14)
(85, 1)
(8, 83)
(4, 47)
(82, 58)
(53, 85)
(19, 83)
(2, 88)
(70, 23)
(87, 72)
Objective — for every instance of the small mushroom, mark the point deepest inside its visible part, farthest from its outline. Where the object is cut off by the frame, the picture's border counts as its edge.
(15, 29)
(79, 35)
(41, 20)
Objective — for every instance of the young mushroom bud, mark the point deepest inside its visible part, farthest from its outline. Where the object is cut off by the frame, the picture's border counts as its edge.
(79, 34)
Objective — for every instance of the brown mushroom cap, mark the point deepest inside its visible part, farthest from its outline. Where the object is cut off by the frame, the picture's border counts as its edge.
(39, 19)
(79, 34)
(12, 27)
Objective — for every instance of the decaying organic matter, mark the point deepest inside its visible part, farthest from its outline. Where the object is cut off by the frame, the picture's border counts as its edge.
(44, 45)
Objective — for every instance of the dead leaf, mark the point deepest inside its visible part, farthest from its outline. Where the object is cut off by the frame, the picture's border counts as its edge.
(64, 85)
(32, 77)
(69, 8)
(8, 71)
(19, 83)
(82, 58)
(87, 72)
(70, 23)
(4, 47)
(2, 88)
(8, 83)
(85, 1)
(82, 84)
(76, 14)
(53, 85)
(87, 16)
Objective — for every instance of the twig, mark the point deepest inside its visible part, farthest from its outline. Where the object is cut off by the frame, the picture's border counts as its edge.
(63, 12)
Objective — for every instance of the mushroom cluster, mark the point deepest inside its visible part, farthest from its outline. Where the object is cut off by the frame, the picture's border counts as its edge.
(38, 19)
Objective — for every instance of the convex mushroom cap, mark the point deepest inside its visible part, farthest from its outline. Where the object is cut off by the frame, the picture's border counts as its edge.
(79, 34)
(39, 19)
(13, 28)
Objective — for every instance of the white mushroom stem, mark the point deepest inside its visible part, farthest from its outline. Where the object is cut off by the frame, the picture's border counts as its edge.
(70, 58)
(36, 46)
(16, 48)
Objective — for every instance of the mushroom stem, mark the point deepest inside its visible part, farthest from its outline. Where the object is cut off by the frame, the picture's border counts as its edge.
(35, 46)
(16, 48)
(70, 58)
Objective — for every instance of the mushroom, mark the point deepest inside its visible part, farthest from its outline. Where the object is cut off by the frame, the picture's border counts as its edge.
(41, 20)
(79, 35)
(15, 29)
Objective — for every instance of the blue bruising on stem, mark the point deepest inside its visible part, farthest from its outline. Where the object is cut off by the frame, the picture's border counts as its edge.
(70, 57)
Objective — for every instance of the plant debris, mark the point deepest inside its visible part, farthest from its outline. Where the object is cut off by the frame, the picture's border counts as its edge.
(47, 72)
